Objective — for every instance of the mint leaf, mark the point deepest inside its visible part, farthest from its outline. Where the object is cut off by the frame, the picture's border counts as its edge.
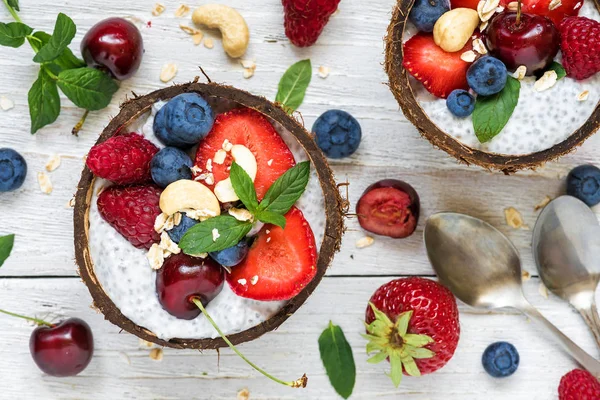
(199, 238)
(493, 112)
(64, 32)
(44, 103)
(66, 60)
(14, 4)
(13, 34)
(6, 245)
(338, 360)
(243, 187)
(88, 88)
(269, 217)
(287, 189)
(293, 85)
(558, 68)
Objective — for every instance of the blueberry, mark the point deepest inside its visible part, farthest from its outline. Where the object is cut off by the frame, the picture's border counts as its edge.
(184, 121)
(231, 256)
(487, 76)
(500, 359)
(13, 170)
(425, 13)
(461, 103)
(179, 230)
(170, 165)
(337, 133)
(583, 182)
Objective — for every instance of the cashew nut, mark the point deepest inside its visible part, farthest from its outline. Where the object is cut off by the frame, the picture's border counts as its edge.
(454, 29)
(189, 195)
(245, 159)
(232, 25)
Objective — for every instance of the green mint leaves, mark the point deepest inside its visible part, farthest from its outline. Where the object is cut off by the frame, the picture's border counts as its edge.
(225, 231)
(293, 85)
(493, 112)
(87, 88)
(6, 245)
(13, 34)
(558, 68)
(64, 32)
(338, 360)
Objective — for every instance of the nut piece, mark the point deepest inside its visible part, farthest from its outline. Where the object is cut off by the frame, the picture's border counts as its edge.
(6, 103)
(520, 72)
(220, 156)
(249, 68)
(241, 214)
(554, 4)
(188, 29)
(542, 203)
(167, 245)
(197, 38)
(184, 195)
(546, 81)
(182, 11)
(44, 182)
(324, 71)
(513, 218)
(486, 9)
(468, 56)
(245, 159)
(479, 47)
(158, 9)
(156, 354)
(155, 257)
(513, 6)
(454, 29)
(364, 242)
(525, 276)
(168, 72)
(232, 25)
(243, 394)
(583, 96)
(208, 43)
(53, 163)
(543, 290)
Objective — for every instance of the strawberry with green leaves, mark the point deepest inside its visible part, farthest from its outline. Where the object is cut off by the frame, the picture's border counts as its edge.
(413, 323)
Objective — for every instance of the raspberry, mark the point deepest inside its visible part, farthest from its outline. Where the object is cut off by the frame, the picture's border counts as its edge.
(132, 210)
(305, 19)
(579, 385)
(580, 45)
(122, 159)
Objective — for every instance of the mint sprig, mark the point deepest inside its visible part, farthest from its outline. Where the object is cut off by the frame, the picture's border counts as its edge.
(225, 231)
(293, 85)
(338, 360)
(6, 245)
(87, 88)
(492, 113)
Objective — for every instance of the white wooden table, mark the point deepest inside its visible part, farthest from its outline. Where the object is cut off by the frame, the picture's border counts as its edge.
(40, 278)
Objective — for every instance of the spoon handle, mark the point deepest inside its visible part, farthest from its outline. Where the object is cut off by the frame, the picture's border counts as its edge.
(583, 358)
(591, 318)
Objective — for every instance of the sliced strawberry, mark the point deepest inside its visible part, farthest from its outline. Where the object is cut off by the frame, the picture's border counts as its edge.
(566, 8)
(464, 4)
(251, 129)
(440, 72)
(280, 263)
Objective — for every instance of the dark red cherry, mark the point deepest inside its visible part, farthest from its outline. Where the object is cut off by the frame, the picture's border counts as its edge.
(64, 349)
(532, 42)
(182, 278)
(114, 44)
(389, 207)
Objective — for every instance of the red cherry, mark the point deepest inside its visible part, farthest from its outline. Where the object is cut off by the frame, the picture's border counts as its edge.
(389, 207)
(64, 349)
(533, 42)
(182, 278)
(115, 44)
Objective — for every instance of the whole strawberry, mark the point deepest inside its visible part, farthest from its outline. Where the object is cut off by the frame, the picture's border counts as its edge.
(305, 19)
(412, 322)
(579, 385)
(580, 45)
(122, 159)
(132, 210)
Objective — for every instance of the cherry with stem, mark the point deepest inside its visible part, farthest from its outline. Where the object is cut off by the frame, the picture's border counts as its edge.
(299, 383)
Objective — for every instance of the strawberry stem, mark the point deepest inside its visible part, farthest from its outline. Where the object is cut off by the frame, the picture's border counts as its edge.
(299, 383)
(36, 320)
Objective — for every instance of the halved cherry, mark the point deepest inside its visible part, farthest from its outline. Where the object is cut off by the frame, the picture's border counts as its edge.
(390, 208)
(249, 128)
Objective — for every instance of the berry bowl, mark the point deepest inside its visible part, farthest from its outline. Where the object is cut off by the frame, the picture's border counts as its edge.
(185, 202)
(494, 84)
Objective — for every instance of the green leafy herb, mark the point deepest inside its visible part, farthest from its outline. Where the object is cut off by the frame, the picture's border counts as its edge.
(66, 60)
(14, 4)
(269, 217)
(88, 88)
(286, 190)
(293, 85)
(338, 360)
(6, 245)
(13, 34)
(214, 234)
(64, 32)
(558, 68)
(243, 187)
(44, 103)
(493, 112)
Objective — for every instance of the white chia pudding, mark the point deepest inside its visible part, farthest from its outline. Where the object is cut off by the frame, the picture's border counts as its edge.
(540, 120)
(127, 278)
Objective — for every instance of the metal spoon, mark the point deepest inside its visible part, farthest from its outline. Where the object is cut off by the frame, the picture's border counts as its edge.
(566, 245)
(482, 268)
